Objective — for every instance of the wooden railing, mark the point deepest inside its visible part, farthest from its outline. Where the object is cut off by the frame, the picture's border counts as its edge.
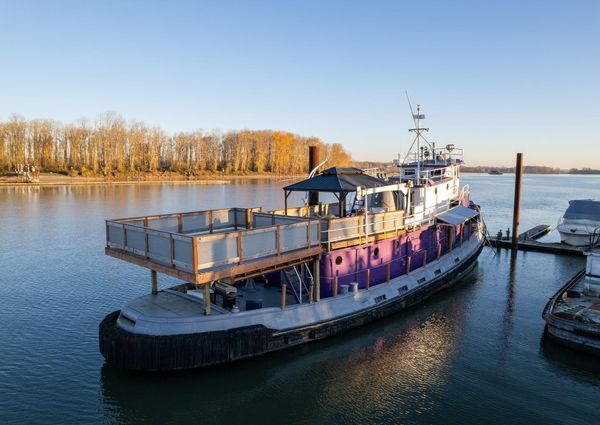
(192, 252)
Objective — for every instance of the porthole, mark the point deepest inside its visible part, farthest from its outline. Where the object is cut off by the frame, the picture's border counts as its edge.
(338, 260)
(376, 252)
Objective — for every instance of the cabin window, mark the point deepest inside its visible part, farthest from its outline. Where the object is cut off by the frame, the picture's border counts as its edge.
(379, 298)
(403, 289)
(456, 260)
(338, 260)
(437, 272)
(376, 252)
(421, 280)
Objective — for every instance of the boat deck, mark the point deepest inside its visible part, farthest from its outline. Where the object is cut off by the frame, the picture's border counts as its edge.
(578, 304)
(176, 304)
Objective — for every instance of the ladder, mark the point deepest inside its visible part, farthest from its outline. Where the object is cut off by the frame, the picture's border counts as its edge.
(296, 280)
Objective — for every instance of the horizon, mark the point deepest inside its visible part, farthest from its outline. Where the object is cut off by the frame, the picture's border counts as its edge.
(495, 79)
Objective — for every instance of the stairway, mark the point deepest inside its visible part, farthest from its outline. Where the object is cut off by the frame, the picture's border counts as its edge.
(293, 278)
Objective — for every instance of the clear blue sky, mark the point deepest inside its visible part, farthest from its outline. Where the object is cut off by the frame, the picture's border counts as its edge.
(494, 77)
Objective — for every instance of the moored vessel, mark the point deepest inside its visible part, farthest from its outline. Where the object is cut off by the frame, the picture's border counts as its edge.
(580, 225)
(573, 313)
(256, 282)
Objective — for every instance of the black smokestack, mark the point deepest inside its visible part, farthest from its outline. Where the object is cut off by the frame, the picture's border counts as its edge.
(313, 161)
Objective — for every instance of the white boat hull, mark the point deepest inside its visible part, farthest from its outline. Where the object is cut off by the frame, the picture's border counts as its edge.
(575, 239)
(579, 232)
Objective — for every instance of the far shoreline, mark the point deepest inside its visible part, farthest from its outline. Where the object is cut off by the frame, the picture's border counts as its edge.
(55, 179)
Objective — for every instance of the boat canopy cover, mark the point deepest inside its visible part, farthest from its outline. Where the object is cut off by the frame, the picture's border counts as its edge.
(583, 209)
(337, 179)
(457, 215)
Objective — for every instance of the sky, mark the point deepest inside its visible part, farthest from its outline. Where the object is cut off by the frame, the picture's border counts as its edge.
(493, 77)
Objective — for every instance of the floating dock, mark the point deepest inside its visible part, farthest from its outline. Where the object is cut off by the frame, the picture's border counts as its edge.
(527, 242)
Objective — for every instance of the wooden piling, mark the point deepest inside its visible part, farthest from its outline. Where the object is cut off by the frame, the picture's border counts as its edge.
(388, 272)
(335, 286)
(283, 295)
(195, 253)
(248, 220)
(439, 251)
(408, 264)
(317, 278)
(368, 283)
(517, 201)
(311, 292)
(154, 280)
(239, 248)
(207, 298)
(424, 258)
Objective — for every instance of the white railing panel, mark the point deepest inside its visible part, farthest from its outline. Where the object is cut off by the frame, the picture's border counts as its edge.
(166, 224)
(293, 237)
(218, 251)
(136, 240)
(159, 246)
(196, 222)
(257, 244)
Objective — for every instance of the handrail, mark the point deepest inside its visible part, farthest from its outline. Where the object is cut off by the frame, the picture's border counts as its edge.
(415, 219)
(165, 247)
(184, 213)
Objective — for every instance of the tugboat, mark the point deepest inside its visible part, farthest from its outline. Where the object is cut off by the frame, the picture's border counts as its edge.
(495, 172)
(580, 225)
(257, 282)
(573, 313)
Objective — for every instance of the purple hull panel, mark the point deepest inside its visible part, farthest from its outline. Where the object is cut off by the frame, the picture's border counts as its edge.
(351, 264)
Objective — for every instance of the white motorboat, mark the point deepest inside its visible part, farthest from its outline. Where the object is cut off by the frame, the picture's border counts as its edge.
(580, 225)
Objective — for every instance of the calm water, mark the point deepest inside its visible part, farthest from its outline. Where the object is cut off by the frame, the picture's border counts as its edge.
(471, 355)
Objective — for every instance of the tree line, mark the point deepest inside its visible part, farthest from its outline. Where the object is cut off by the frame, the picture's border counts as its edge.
(111, 146)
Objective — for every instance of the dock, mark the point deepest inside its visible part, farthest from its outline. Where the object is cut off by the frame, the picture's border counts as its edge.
(535, 232)
(527, 242)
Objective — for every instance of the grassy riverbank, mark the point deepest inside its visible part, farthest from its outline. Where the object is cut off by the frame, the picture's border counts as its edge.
(50, 179)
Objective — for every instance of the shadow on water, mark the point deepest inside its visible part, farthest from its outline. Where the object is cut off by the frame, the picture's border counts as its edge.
(408, 353)
(571, 363)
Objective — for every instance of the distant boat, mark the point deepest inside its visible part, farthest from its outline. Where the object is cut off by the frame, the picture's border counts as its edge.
(573, 313)
(495, 173)
(580, 225)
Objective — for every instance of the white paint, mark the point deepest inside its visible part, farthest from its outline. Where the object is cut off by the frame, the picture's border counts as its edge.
(301, 315)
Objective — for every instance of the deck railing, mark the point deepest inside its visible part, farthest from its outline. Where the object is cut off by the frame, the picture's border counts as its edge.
(363, 226)
(212, 239)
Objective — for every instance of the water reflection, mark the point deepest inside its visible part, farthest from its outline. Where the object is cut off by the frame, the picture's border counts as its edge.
(507, 317)
(405, 356)
(571, 363)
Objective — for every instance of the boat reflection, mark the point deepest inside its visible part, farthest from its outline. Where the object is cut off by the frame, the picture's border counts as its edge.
(565, 361)
(408, 354)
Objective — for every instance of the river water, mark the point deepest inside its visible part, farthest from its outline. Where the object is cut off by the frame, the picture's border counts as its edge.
(475, 354)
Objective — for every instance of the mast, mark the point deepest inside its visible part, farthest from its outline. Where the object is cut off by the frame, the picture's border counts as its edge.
(418, 130)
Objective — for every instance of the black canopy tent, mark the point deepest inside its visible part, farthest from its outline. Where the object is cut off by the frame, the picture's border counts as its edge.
(337, 180)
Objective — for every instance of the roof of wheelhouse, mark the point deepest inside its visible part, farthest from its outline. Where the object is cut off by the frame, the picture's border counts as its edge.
(336, 179)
